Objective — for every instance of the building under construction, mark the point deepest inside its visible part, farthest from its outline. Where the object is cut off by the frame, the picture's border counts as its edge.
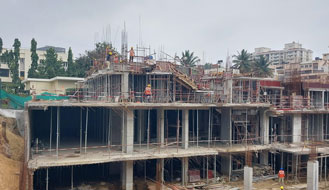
(187, 132)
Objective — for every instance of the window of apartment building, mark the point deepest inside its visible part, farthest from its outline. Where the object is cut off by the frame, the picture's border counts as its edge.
(22, 73)
(22, 64)
(4, 72)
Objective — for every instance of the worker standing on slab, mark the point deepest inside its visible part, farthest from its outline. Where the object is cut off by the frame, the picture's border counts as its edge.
(281, 176)
(148, 92)
(131, 54)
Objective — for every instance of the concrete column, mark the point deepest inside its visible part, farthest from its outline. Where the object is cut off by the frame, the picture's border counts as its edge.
(127, 175)
(322, 100)
(141, 126)
(184, 171)
(264, 157)
(282, 128)
(226, 126)
(160, 126)
(264, 127)
(247, 178)
(294, 165)
(185, 129)
(160, 173)
(128, 132)
(312, 175)
(296, 128)
(318, 127)
(124, 85)
(226, 165)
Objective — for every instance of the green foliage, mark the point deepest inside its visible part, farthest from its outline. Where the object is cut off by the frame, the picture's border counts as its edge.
(7, 57)
(84, 62)
(14, 65)
(188, 58)
(51, 66)
(34, 56)
(260, 67)
(207, 66)
(82, 65)
(243, 61)
(1, 45)
(70, 64)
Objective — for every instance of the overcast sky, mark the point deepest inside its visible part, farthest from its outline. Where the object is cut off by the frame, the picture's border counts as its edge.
(212, 28)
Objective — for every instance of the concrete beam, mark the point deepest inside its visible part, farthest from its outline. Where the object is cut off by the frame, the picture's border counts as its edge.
(312, 175)
(185, 129)
(247, 178)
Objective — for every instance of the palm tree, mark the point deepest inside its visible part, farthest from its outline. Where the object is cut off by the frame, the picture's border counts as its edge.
(242, 61)
(188, 58)
(260, 67)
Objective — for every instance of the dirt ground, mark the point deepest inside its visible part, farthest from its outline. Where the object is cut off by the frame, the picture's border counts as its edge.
(10, 160)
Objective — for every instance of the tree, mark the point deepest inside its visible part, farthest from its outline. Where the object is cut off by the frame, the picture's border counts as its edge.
(84, 63)
(70, 64)
(34, 56)
(15, 64)
(242, 61)
(51, 66)
(7, 57)
(260, 67)
(1, 44)
(188, 58)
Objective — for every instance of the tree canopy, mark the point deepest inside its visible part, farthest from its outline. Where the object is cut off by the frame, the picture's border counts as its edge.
(32, 73)
(188, 58)
(14, 66)
(1, 45)
(243, 61)
(70, 64)
(261, 67)
(51, 66)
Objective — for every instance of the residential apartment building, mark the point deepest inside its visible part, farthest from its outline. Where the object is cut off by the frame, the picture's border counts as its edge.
(26, 61)
(292, 52)
(180, 137)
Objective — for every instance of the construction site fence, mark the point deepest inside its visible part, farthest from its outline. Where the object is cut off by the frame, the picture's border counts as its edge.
(170, 146)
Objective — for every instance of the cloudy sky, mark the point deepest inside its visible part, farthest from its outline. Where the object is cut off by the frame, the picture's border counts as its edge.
(209, 28)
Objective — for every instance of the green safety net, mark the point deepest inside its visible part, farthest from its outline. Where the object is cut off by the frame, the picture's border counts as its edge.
(17, 102)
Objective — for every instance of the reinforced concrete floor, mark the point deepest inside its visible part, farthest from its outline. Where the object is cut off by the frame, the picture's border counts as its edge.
(70, 157)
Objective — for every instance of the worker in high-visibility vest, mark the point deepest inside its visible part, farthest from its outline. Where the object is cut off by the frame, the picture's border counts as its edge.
(281, 176)
(131, 54)
(148, 92)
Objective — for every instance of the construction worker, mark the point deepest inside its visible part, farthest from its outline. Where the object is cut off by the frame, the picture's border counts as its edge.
(131, 54)
(110, 53)
(281, 176)
(281, 187)
(148, 92)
